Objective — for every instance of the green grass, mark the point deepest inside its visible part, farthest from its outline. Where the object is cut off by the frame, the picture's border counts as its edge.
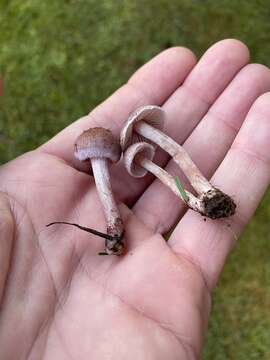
(61, 58)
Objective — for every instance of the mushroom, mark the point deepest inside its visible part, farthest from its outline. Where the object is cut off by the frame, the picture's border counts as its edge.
(100, 147)
(138, 161)
(146, 122)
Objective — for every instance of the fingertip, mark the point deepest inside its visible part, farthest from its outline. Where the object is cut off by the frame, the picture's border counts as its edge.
(175, 63)
(180, 53)
(259, 71)
(232, 48)
(261, 105)
(216, 69)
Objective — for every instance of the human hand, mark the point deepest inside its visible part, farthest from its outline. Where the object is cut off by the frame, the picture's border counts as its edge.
(59, 299)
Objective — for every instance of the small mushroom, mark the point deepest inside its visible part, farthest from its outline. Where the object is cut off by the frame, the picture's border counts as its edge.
(99, 146)
(138, 161)
(145, 123)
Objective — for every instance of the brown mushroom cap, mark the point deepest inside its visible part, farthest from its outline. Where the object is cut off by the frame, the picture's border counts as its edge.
(152, 114)
(97, 142)
(132, 155)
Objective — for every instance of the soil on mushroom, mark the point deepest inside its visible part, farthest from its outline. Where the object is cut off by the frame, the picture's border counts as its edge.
(218, 205)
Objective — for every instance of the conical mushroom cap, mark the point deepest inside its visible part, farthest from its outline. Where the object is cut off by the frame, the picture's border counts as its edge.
(152, 114)
(97, 142)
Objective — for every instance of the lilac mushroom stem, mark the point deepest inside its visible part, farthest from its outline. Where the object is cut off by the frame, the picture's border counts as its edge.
(138, 161)
(179, 155)
(104, 189)
(193, 202)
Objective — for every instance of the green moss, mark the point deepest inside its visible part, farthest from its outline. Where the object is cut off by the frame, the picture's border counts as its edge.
(59, 59)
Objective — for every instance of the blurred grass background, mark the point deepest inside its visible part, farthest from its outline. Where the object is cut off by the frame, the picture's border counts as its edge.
(61, 58)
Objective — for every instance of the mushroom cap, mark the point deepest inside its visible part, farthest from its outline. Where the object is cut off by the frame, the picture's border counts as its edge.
(133, 153)
(97, 142)
(152, 114)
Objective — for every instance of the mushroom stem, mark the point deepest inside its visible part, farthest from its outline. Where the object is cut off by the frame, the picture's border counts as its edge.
(168, 180)
(102, 179)
(177, 152)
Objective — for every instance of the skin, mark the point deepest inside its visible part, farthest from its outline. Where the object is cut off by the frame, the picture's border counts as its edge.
(58, 299)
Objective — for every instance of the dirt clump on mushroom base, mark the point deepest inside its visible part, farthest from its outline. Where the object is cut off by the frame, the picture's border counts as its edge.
(217, 204)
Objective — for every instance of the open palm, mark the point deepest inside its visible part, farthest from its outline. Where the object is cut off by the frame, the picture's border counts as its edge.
(59, 299)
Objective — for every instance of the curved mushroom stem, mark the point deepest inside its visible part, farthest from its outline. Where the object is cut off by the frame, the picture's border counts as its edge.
(178, 153)
(168, 180)
(216, 203)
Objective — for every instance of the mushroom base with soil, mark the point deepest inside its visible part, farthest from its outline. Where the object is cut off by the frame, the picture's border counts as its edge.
(217, 204)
